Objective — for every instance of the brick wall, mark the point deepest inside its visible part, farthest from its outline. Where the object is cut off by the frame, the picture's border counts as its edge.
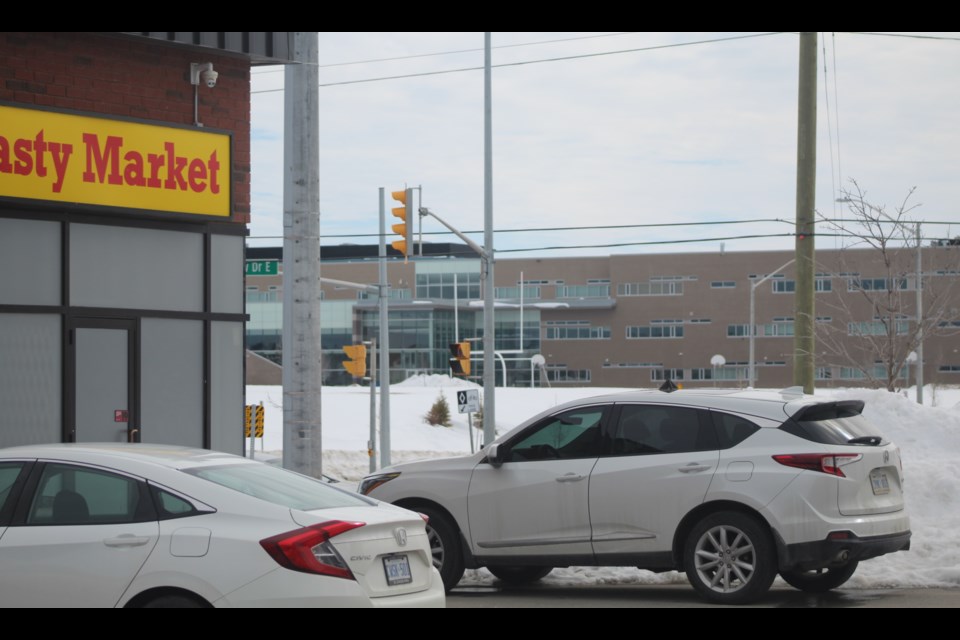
(117, 76)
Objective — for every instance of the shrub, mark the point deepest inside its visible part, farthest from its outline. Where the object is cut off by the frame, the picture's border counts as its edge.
(439, 413)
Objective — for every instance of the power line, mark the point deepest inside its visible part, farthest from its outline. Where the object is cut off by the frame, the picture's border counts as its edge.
(904, 35)
(610, 227)
(580, 56)
(455, 51)
(606, 227)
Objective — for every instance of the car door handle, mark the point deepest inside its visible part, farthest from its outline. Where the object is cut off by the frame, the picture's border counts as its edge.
(571, 477)
(693, 467)
(127, 540)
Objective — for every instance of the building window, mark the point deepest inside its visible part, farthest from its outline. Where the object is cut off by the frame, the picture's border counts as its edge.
(574, 330)
(584, 291)
(823, 373)
(660, 375)
(851, 373)
(560, 374)
(699, 321)
(632, 365)
(657, 329)
(652, 288)
(779, 328)
(513, 293)
(731, 371)
(738, 330)
(858, 283)
(877, 327)
(723, 284)
(784, 286)
(392, 294)
(823, 285)
(439, 286)
(949, 368)
(701, 374)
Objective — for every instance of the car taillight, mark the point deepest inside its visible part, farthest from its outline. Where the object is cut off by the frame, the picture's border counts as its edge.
(309, 549)
(822, 462)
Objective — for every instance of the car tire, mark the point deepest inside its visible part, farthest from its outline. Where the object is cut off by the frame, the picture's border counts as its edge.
(729, 558)
(518, 574)
(444, 538)
(174, 601)
(820, 580)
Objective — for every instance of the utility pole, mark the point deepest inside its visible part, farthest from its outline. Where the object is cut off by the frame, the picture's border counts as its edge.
(804, 344)
(302, 375)
(489, 342)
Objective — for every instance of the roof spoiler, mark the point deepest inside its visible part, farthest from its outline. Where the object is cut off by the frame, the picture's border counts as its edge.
(830, 410)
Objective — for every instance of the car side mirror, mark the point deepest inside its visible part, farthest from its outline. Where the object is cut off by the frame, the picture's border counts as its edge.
(494, 456)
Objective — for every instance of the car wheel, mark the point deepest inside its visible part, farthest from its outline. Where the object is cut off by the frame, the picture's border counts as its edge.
(820, 580)
(729, 558)
(444, 539)
(518, 575)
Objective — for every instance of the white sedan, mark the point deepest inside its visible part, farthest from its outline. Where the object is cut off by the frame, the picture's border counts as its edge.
(153, 526)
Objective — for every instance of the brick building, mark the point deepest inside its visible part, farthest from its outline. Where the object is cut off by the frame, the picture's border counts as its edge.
(634, 320)
(124, 197)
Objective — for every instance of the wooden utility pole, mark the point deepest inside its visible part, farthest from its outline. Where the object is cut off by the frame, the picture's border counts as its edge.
(804, 344)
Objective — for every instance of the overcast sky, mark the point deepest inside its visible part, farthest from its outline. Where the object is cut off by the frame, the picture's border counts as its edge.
(643, 133)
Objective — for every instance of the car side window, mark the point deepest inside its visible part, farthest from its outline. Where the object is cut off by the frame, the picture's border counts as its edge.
(644, 429)
(170, 506)
(565, 436)
(9, 472)
(731, 429)
(72, 495)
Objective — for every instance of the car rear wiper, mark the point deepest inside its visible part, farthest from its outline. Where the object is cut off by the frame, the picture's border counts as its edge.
(871, 440)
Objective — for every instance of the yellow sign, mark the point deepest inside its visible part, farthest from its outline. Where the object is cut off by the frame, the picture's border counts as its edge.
(96, 161)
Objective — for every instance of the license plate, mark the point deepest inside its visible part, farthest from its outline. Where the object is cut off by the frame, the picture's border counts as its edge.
(397, 569)
(880, 484)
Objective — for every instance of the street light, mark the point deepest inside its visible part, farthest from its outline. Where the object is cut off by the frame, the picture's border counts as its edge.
(751, 370)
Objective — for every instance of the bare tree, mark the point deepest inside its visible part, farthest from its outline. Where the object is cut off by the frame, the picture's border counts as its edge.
(880, 325)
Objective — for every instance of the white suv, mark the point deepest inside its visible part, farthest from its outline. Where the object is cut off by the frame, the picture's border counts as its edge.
(732, 487)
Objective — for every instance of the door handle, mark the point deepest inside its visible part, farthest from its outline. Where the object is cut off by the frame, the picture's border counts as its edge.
(571, 477)
(127, 540)
(693, 467)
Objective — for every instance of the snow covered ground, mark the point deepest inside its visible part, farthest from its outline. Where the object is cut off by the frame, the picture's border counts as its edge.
(929, 437)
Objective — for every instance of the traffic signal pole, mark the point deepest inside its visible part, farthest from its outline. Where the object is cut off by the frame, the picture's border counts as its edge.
(385, 326)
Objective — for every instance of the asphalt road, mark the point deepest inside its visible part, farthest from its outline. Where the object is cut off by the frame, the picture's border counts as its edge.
(680, 596)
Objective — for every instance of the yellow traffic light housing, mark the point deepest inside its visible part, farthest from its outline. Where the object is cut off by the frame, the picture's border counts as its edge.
(460, 362)
(404, 229)
(356, 364)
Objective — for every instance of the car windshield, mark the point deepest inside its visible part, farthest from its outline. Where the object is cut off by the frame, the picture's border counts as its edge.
(279, 486)
(835, 423)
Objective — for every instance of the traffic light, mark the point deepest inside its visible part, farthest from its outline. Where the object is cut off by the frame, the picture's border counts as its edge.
(356, 363)
(460, 362)
(405, 229)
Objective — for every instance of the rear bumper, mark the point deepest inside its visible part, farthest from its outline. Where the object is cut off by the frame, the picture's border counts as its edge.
(824, 553)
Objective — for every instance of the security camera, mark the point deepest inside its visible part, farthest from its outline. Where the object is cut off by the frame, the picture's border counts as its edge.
(203, 73)
(209, 77)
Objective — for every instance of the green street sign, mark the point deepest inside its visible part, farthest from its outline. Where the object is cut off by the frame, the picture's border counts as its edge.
(263, 267)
